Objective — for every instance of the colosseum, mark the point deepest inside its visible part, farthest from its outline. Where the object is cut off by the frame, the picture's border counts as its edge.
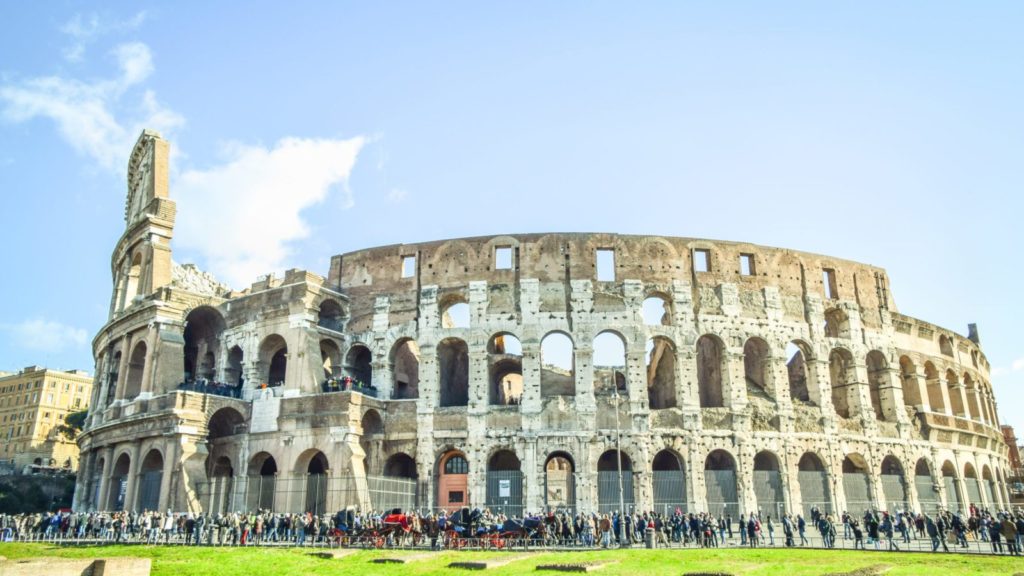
(526, 373)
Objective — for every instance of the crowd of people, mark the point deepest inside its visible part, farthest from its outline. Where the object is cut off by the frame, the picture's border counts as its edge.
(999, 532)
(205, 386)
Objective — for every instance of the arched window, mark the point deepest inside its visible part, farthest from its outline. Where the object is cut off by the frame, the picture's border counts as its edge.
(661, 373)
(274, 360)
(956, 399)
(136, 370)
(908, 378)
(840, 367)
(559, 481)
(934, 386)
(558, 366)
(331, 316)
(405, 368)
(359, 364)
(796, 367)
(878, 376)
(657, 311)
(505, 368)
(203, 328)
(455, 315)
(453, 363)
(756, 367)
(609, 364)
(837, 324)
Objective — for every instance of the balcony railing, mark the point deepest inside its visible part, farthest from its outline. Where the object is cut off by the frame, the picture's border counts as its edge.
(349, 385)
(215, 388)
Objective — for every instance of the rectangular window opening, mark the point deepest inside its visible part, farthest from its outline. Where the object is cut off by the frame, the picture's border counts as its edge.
(455, 497)
(408, 266)
(829, 281)
(605, 265)
(747, 265)
(701, 260)
(503, 258)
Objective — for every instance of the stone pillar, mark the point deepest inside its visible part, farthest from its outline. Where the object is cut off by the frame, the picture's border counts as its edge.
(108, 466)
(533, 476)
(584, 373)
(134, 471)
(636, 381)
(171, 458)
(479, 382)
(532, 401)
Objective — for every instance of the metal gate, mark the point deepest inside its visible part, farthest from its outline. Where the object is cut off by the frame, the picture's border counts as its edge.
(149, 490)
(389, 492)
(608, 491)
(720, 490)
(989, 487)
(220, 494)
(505, 492)
(953, 500)
(857, 488)
(316, 493)
(895, 492)
(973, 491)
(260, 492)
(560, 492)
(669, 491)
(814, 492)
(768, 489)
(927, 496)
(118, 490)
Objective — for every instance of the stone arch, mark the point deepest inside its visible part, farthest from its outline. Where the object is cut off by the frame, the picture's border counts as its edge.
(359, 364)
(934, 386)
(799, 352)
(221, 474)
(452, 480)
(661, 373)
(768, 489)
(371, 423)
(233, 370)
(878, 372)
(972, 485)
(331, 315)
(559, 481)
(945, 345)
(757, 368)
(668, 475)
(225, 422)
(330, 358)
(910, 385)
(857, 484)
(204, 326)
(656, 310)
(815, 487)
(119, 482)
(610, 363)
(844, 390)
(924, 482)
(273, 355)
(609, 497)
(151, 474)
(505, 483)
(894, 484)
(400, 465)
(505, 369)
(837, 323)
(136, 370)
(972, 398)
(558, 365)
(721, 493)
(988, 485)
(133, 279)
(262, 481)
(453, 367)
(453, 309)
(405, 369)
(956, 400)
(954, 499)
(710, 361)
(314, 464)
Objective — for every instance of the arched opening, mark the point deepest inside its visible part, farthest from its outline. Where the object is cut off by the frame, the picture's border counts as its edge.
(608, 478)
(316, 482)
(221, 485)
(96, 481)
(505, 370)
(203, 327)
(133, 280)
(359, 365)
(720, 484)
(113, 374)
(815, 488)
(453, 364)
(505, 484)
(894, 486)
(274, 360)
(910, 385)
(331, 316)
(225, 422)
(956, 399)
(946, 345)
(397, 487)
(972, 485)
(954, 500)
(934, 385)
(844, 391)
(330, 359)
(837, 324)
(709, 372)
(262, 480)
(559, 482)
(400, 466)
(455, 315)
(989, 486)
(371, 423)
(796, 368)
(857, 485)
(136, 370)
(927, 492)
(405, 366)
(881, 396)
(609, 365)
(558, 366)
(150, 477)
(661, 373)
(657, 311)
(233, 371)
(669, 483)
(972, 398)
(771, 498)
(118, 483)
(756, 368)
(452, 482)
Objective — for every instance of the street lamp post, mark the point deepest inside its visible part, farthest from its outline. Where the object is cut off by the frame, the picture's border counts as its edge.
(623, 542)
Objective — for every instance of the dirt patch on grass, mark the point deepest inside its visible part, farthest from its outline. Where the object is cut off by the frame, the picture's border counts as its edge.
(876, 570)
(577, 566)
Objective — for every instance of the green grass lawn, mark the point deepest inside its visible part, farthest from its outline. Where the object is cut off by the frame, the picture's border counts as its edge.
(181, 561)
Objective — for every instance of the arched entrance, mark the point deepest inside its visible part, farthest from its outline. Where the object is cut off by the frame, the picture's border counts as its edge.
(397, 487)
(262, 479)
(203, 327)
(150, 477)
(221, 484)
(924, 482)
(316, 484)
(972, 485)
(559, 482)
(857, 485)
(118, 483)
(505, 484)
(815, 492)
(720, 484)
(954, 500)
(608, 476)
(221, 444)
(894, 485)
(768, 485)
(669, 479)
(453, 481)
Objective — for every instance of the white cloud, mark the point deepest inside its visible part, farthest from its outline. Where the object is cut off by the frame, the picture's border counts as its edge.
(84, 112)
(83, 30)
(46, 335)
(397, 195)
(1017, 365)
(241, 215)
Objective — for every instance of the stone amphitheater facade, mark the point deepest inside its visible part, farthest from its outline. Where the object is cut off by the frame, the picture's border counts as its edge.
(505, 371)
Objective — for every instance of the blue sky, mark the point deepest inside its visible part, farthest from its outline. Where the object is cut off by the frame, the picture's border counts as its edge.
(888, 133)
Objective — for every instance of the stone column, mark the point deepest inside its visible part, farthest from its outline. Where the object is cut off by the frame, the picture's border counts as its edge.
(636, 381)
(531, 403)
(171, 458)
(584, 373)
(104, 491)
(134, 471)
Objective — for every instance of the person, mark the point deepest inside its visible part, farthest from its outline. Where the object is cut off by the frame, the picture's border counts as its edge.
(888, 531)
(606, 531)
(787, 530)
(858, 535)
(743, 531)
(801, 525)
(995, 532)
(1009, 530)
(752, 531)
(771, 530)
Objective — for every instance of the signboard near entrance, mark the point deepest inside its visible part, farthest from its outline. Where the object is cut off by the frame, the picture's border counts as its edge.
(504, 488)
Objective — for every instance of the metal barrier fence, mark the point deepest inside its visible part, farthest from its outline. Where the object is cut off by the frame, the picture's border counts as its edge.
(814, 490)
(927, 495)
(608, 491)
(768, 489)
(722, 496)
(857, 488)
(952, 494)
(895, 492)
(317, 493)
(669, 490)
(505, 492)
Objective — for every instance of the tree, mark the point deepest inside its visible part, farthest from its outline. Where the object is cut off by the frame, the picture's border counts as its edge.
(73, 424)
